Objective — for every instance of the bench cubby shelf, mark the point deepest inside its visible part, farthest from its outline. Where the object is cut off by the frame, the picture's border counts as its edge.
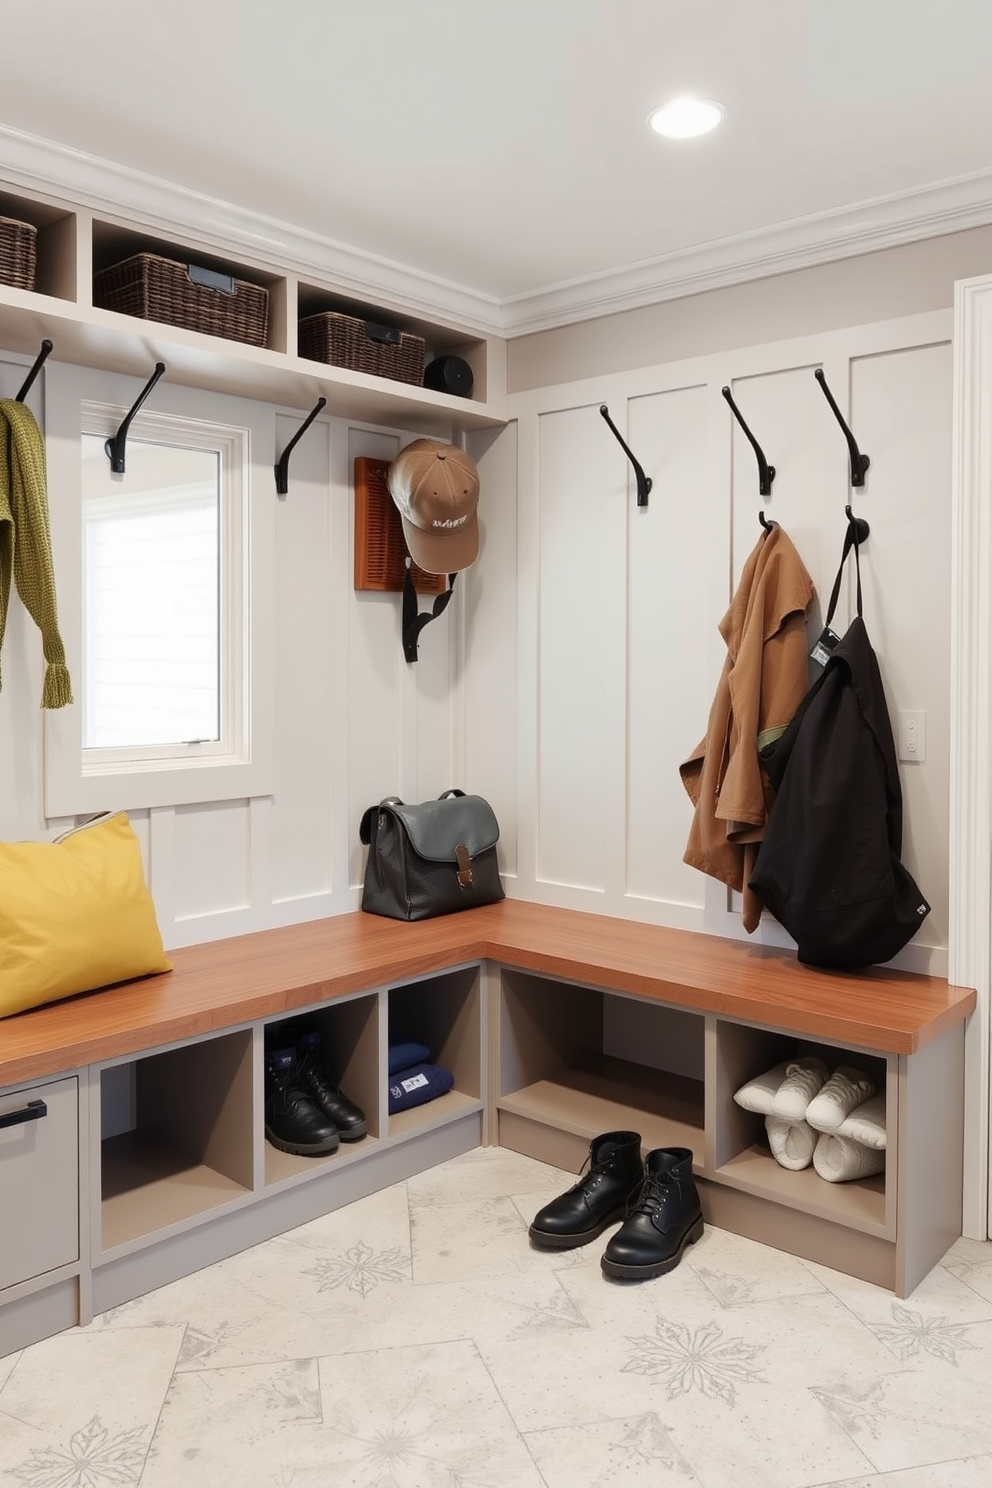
(188, 1151)
(73, 243)
(557, 1025)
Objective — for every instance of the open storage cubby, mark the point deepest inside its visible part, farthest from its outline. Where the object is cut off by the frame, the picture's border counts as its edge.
(742, 1156)
(567, 1075)
(55, 274)
(438, 340)
(350, 1042)
(445, 1013)
(113, 243)
(188, 1151)
(73, 244)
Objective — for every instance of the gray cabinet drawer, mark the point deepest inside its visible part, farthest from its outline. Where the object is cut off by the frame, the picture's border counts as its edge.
(39, 1180)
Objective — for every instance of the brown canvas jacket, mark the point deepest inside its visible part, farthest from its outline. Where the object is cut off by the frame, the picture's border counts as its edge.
(764, 679)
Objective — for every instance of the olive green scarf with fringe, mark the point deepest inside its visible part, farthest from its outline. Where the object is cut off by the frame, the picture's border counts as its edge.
(26, 543)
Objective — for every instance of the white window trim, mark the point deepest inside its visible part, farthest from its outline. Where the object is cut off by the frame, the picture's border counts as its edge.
(79, 780)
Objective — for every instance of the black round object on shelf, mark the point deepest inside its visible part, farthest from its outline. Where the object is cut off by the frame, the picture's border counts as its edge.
(449, 374)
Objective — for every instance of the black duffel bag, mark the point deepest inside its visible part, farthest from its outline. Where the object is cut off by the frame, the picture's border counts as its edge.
(432, 859)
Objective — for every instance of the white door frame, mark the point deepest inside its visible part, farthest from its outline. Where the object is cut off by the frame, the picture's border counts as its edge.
(970, 932)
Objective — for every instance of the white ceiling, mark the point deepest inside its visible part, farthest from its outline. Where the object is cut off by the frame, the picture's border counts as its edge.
(498, 147)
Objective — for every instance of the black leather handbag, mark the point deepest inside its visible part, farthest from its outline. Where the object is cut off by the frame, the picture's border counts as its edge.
(432, 859)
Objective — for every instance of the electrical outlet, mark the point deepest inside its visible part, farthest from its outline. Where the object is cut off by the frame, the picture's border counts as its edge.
(911, 742)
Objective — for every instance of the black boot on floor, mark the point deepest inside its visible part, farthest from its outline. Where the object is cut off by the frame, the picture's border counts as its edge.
(348, 1118)
(663, 1219)
(598, 1199)
(293, 1122)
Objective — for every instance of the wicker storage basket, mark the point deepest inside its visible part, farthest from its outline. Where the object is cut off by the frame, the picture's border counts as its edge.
(18, 252)
(362, 345)
(155, 288)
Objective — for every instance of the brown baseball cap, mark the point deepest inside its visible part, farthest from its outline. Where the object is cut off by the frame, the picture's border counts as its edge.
(435, 487)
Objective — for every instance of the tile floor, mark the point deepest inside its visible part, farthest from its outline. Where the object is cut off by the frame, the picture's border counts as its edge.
(416, 1340)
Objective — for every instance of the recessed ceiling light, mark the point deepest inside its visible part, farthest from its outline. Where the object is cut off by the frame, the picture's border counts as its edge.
(684, 118)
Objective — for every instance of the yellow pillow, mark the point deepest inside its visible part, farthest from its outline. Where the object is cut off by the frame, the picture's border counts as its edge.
(75, 915)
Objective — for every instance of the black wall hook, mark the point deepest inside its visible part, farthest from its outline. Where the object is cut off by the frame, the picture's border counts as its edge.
(766, 472)
(643, 481)
(117, 444)
(859, 462)
(859, 525)
(39, 362)
(282, 466)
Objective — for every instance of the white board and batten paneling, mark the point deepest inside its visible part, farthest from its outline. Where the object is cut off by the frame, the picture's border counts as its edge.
(351, 721)
(625, 601)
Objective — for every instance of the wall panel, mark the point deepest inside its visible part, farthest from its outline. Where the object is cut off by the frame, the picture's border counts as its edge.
(626, 602)
(212, 862)
(582, 561)
(668, 614)
(370, 707)
(486, 683)
(301, 806)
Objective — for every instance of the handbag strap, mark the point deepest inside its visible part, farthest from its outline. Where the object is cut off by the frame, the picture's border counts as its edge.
(850, 541)
(413, 621)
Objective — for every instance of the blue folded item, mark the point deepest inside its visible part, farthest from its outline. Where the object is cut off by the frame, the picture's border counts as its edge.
(417, 1085)
(402, 1056)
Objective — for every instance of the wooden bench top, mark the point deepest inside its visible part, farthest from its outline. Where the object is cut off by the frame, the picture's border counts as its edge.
(271, 972)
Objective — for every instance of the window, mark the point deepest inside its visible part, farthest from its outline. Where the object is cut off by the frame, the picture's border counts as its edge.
(152, 615)
(164, 583)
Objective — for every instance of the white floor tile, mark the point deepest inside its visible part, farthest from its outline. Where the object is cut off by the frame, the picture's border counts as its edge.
(417, 1338)
(81, 1408)
(6, 1367)
(628, 1452)
(969, 1472)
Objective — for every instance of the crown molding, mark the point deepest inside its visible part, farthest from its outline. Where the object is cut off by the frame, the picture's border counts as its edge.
(51, 169)
(55, 170)
(886, 222)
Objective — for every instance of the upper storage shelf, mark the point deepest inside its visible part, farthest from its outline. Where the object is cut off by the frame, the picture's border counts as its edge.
(73, 245)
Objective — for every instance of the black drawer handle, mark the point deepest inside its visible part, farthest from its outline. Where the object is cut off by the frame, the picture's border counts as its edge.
(33, 1111)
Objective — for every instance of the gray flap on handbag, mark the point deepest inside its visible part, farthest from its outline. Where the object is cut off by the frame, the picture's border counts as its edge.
(436, 828)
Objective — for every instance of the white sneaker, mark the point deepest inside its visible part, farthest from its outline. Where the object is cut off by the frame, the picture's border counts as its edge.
(803, 1078)
(792, 1142)
(846, 1089)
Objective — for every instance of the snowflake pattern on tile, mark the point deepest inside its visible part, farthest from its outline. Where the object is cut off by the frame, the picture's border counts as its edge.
(865, 1408)
(361, 1269)
(911, 1334)
(855, 1409)
(645, 1440)
(701, 1359)
(295, 1393)
(555, 1313)
(198, 1346)
(729, 1291)
(402, 1452)
(94, 1458)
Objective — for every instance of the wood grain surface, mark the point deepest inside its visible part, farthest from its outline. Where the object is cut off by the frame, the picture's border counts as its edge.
(234, 981)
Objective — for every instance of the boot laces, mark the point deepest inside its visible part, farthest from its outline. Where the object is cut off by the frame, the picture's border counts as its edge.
(592, 1172)
(651, 1196)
